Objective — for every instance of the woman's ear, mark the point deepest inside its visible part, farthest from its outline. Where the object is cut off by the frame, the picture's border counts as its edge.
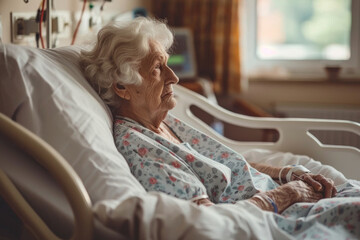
(121, 91)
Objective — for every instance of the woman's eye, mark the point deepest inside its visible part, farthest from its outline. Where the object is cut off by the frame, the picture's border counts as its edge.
(157, 69)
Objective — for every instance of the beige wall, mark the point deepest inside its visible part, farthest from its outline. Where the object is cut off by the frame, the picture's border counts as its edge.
(267, 94)
(7, 6)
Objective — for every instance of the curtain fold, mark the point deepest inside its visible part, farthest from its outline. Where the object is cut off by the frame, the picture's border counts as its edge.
(216, 28)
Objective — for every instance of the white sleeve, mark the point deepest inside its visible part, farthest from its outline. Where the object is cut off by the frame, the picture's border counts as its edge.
(159, 216)
(281, 159)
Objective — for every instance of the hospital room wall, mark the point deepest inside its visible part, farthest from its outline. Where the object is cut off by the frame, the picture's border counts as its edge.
(262, 93)
(8, 6)
(266, 94)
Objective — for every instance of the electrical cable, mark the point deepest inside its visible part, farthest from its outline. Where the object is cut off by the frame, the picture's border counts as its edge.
(102, 5)
(37, 37)
(54, 35)
(78, 24)
(37, 20)
(41, 20)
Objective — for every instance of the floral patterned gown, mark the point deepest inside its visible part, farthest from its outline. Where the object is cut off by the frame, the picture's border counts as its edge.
(202, 167)
(199, 167)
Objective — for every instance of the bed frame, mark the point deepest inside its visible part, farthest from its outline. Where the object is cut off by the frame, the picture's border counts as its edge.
(62, 173)
(294, 137)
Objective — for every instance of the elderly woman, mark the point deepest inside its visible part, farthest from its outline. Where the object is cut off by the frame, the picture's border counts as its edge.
(128, 68)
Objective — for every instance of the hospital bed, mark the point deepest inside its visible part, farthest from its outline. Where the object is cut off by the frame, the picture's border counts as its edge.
(63, 177)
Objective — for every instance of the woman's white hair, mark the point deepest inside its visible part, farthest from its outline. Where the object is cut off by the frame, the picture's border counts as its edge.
(116, 56)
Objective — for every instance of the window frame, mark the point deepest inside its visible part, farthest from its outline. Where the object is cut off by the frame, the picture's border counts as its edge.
(255, 68)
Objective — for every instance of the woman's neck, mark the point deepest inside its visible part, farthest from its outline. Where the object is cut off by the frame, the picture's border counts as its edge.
(153, 123)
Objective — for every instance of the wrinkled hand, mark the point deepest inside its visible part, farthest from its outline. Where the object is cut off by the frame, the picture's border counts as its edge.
(300, 191)
(319, 183)
(294, 192)
(204, 201)
(288, 194)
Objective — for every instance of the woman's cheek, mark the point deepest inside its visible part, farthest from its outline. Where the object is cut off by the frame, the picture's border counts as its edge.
(156, 73)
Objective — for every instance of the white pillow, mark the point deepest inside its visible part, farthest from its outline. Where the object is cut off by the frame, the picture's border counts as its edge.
(45, 91)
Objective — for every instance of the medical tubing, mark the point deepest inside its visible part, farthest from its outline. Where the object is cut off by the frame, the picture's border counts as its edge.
(41, 20)
(296, 168)
(280, 174)
(272, 202)
(78, 24)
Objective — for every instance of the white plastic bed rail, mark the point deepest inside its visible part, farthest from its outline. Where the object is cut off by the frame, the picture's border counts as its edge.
(294, 133)
(62, 173)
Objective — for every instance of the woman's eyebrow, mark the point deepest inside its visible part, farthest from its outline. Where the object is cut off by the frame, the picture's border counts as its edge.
(160, 56)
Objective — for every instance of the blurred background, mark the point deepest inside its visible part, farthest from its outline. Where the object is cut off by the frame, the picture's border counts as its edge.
(263, 58)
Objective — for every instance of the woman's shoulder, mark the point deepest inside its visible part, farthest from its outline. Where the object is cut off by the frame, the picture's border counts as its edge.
(125, 126)
(173, 121)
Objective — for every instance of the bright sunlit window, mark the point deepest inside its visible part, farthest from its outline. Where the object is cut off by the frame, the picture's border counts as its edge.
(301, 38)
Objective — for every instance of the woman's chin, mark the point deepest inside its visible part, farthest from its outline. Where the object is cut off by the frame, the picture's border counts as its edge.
(171, 103)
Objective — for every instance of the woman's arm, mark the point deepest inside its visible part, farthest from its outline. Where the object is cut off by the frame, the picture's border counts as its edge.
(273, 172)
(203, 201)
(285, 195)
(317, 181)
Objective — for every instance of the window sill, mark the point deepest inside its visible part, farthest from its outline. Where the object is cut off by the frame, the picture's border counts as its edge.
(290, 80)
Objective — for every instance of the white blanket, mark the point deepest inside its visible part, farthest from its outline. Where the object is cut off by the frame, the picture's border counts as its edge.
(158, 216)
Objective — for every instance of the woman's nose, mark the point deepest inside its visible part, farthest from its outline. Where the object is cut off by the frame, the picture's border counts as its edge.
(171, 76)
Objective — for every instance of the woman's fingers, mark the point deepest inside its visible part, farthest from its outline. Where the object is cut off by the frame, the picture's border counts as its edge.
(304, 191)
(204, 201)
(315, 196)
(328, 187)
(312, 182)
(320, 184)
(318, 196)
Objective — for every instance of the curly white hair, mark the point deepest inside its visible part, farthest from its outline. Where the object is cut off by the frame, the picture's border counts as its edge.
(118, 51)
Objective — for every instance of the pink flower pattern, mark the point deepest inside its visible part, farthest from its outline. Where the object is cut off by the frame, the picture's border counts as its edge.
(156, 162)
(152, 180)
(173, 179)
(142, 151)
(195, 141)
(176, 164)
(190, 158)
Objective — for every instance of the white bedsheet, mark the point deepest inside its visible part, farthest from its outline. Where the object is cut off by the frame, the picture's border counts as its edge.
(158, 216)
(281, 159)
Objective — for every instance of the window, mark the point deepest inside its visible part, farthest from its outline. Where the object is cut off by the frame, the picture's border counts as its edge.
(305, 39)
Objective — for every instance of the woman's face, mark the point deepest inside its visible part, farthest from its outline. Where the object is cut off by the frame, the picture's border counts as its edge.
(155, 94)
